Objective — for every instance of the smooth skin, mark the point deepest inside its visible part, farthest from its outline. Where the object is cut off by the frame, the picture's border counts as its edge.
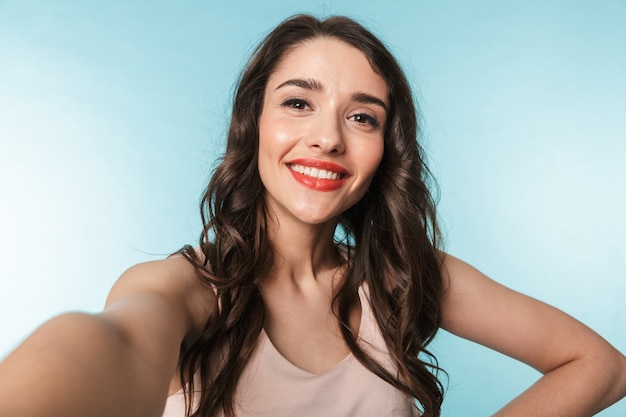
(122, 362)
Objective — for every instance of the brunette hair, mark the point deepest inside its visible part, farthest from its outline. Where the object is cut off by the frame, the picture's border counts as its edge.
(391, 236)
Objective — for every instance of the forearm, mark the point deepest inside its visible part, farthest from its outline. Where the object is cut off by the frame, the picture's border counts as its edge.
(580, 388)
(78, 365)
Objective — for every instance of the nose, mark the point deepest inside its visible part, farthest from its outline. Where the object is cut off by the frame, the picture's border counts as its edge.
(326, 134)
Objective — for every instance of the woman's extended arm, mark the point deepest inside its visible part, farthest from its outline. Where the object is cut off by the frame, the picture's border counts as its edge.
(583, 374)
(115, 363)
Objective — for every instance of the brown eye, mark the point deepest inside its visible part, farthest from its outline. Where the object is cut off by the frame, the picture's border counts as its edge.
(296, 103)
(365, 119)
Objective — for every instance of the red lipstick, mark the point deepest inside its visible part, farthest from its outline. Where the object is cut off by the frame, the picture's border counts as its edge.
(319, 184)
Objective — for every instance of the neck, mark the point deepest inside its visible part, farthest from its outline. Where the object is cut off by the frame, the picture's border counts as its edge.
(304, 253)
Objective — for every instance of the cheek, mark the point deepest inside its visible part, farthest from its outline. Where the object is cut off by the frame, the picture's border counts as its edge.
(273, 145)
(267, 139)
(372, 157)
(265, 149)
(273, 133)
(264, 161)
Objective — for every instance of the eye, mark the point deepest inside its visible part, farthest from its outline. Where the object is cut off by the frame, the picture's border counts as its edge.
(296, 103)
(365, 119)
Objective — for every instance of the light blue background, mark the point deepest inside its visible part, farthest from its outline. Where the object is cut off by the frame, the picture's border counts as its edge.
(112, 114)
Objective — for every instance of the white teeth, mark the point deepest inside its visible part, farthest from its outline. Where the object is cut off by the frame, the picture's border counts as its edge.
(315, 172)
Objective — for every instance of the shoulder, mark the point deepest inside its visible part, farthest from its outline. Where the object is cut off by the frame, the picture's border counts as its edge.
(172, 285)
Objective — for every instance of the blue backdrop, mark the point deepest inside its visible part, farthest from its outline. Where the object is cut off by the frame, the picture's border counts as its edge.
(112, 114)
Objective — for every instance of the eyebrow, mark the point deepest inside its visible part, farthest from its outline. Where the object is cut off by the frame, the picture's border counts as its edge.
(309, 84)
(314, 85)
(369, 99)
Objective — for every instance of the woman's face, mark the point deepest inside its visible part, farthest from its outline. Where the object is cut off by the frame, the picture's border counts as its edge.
(321, 131)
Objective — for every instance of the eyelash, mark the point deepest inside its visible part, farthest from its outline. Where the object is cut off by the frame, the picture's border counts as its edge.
(301, 104)
(295, 103)
(365, 119)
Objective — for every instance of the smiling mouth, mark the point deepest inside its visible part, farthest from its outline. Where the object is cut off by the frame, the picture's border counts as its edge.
(316, 172)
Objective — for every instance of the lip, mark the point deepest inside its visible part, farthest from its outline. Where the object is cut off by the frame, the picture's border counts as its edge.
(319, 184)
(317, 163)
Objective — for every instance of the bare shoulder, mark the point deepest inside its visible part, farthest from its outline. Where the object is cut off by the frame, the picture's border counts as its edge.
(155, 306)
(173, 284)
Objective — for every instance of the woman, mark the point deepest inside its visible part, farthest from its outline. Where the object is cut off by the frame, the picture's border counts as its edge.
(273, 315)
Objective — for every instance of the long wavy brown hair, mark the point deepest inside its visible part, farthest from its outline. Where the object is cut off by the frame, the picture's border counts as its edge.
(391, 235)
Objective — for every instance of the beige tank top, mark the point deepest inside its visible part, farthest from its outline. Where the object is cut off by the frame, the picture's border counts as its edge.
(271, 386)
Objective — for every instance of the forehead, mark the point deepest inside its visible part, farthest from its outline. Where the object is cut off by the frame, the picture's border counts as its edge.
(331, 61)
